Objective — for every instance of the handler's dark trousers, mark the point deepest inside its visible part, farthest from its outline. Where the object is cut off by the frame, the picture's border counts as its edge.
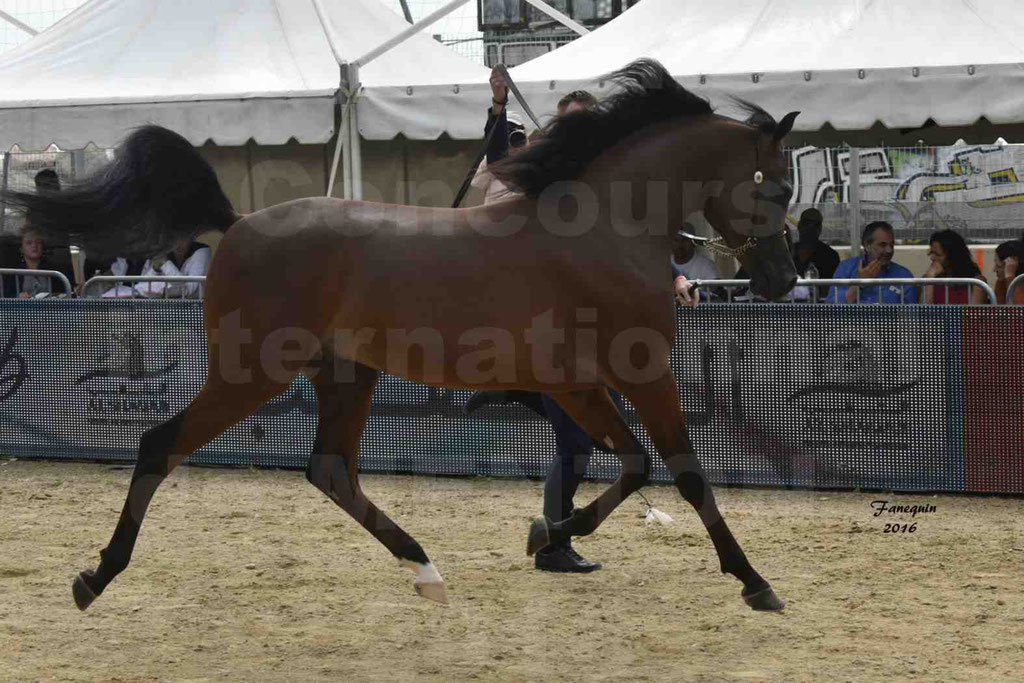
(573, 448)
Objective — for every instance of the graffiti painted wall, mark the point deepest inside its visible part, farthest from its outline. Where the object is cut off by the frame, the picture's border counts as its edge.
(976, 190)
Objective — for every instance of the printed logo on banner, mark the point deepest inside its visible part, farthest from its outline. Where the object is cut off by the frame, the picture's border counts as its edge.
(848, 404)
(13, 369)
(840, 397)
(138, 398)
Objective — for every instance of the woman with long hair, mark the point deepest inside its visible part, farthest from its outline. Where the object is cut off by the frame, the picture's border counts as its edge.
(1006, 268)
(951, 258)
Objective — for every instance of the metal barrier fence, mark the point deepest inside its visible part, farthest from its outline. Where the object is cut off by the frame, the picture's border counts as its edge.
(915, 398)
(94, 283)
(812, 286)
(15, 273)
(1014, 284)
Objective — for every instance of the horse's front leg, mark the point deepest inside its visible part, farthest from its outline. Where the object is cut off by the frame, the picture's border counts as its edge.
(595, 412)
(657, 404)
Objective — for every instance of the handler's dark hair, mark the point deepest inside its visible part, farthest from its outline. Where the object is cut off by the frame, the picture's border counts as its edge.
(582, 97)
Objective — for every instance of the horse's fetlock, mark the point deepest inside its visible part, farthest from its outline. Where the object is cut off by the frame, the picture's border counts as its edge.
(413, 552)
(584, 521)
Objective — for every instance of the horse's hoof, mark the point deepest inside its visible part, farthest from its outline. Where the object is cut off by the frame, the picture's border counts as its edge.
(433, 591)
(538, 537)
(80, 589)
(764, 600)
(429, 583)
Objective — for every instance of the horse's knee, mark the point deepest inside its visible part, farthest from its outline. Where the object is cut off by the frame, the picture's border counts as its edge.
(329, 475)
(693, 487)
(636, 472)
(155, 447)
(631, 483)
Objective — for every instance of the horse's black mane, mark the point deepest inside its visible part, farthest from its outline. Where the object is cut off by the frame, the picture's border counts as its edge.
(648, 94)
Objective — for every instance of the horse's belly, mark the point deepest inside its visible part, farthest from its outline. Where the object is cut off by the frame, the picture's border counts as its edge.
(483, 357)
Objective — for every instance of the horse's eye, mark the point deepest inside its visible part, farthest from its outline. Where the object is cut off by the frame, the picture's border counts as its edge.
(758, 177)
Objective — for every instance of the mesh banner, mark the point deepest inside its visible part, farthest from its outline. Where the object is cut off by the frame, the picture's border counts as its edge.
(782, 395)
(994, 389)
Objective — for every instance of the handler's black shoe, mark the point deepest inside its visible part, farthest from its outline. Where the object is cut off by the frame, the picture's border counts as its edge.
(479, 399)
(563, 558)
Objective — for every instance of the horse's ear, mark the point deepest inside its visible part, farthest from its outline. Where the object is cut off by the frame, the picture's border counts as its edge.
(785, 125)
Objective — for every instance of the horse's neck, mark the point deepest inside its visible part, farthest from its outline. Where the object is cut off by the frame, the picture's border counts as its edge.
(649, 183)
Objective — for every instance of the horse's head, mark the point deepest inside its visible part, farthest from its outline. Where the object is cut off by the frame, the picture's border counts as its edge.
(750, 210)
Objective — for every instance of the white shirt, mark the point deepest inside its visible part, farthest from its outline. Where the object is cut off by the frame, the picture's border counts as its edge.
(195, 265)
(495, 190)
(699, 267)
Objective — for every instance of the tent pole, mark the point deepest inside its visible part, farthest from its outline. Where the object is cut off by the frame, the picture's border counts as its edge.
(558, 16)
(406, 12)
(409, 32)
(355, 142)
(3, 190)
(352, 150)
(346, 149)
(339, 143)
(854, 201)
(14, 22)
(325, 24)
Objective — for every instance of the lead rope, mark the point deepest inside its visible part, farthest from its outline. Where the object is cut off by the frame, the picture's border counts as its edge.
(487, 140)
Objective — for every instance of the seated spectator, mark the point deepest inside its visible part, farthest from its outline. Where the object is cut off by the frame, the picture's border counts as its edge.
(814, 259)
(1007, 267)
(879, 244)
(188, 258)
(690, 263)
(47, 180)
(32, 258)
(122, 267)
(951, 258)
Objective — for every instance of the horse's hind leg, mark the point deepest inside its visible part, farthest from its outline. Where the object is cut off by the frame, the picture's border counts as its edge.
(657, 404)
(597, 414)
(217, 407)
(344, 406)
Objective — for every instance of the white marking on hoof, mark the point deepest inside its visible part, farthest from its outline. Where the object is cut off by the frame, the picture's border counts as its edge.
(608, 443)
(429, 583)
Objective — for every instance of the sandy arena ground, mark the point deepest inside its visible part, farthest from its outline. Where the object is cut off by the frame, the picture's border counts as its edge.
(255, 576)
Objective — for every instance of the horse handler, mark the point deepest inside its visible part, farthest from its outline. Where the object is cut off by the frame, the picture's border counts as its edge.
(573, 448)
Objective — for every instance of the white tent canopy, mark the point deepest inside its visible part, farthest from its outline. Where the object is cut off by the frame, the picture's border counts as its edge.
(227, 71)
(848, 63)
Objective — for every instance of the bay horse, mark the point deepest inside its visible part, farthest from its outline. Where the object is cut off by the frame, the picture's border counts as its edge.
(561, 289)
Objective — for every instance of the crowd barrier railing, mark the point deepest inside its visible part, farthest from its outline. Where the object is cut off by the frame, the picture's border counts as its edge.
(115, 280)
(813, 285)
(1014, 284)
(52, 274)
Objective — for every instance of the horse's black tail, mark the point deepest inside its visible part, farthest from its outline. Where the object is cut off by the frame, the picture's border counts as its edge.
(157, 191)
